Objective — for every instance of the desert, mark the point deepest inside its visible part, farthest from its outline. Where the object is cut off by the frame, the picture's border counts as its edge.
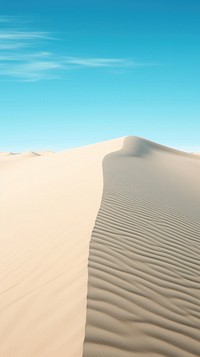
(100, 249)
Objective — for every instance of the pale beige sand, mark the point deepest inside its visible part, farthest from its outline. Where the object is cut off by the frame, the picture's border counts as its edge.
(144, 259)
(48, 206)
(143, 296)
(11, 156)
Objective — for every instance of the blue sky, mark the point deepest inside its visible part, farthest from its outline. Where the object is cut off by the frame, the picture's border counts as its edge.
(78, 72)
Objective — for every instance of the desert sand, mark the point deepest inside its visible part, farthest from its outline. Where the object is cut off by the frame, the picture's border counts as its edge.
(100, 252)
(48, 206)
(144, 260)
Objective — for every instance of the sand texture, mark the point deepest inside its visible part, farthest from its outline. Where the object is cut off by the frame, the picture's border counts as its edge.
(144, 257)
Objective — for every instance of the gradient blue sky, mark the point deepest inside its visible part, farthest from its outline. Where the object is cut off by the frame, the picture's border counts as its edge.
(78, 72)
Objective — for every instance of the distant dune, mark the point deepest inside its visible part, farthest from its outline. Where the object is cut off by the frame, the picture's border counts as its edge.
(10, 157)
(100, 253)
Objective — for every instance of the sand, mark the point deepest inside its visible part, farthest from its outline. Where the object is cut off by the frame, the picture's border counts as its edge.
(48, 206)
(144, 260)
(140, 293)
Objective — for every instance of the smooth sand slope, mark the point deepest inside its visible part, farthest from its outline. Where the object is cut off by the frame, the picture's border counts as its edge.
(144, 258)
(48, 206)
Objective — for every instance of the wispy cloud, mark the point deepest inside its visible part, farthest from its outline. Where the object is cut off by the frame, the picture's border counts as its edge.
(23, 35)
(12, 45)
(30, 71)
(98, 62)
(21, 59)
(25, 56)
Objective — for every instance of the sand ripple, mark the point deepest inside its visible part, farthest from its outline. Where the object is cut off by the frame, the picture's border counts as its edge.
(144, 260)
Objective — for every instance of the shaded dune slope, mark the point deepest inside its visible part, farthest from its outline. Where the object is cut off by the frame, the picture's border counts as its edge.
(144, 259)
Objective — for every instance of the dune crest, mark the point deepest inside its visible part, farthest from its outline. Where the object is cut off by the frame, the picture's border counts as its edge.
(134, 145)
(6, 153)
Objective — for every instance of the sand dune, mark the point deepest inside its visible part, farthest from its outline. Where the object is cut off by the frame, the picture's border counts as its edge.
(11, 157)
(144, 260)
(45, 152)
(2, 154)
(143, 294)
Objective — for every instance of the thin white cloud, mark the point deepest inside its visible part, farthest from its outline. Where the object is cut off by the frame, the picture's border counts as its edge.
(98, 62)
(21, 60)
(12, 45)
(29, 71)
(24, 35)
(25, 56)
(40, 66)
(32, 66)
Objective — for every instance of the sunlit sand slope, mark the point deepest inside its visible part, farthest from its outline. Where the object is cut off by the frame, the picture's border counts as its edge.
(48, 206)
(144, 258)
